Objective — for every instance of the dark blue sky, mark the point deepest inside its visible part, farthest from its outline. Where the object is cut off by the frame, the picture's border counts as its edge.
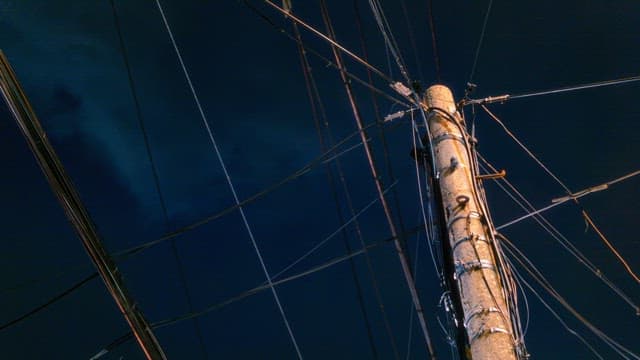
(250, 83)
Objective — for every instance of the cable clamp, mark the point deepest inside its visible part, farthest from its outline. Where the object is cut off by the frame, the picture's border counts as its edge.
(480, 311)
(468, 238)
(487, 100)
(462, 268)
(491, 330)
(401, 89)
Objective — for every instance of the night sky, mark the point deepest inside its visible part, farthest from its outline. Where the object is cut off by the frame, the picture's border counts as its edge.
(249, 79)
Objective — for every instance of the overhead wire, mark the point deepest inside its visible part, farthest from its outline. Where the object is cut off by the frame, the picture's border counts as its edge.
(406, 266)
(49, 302)
(247, 293)
(329, 40)
(156, 179)
(480, 40)
(434, 40)
(576, 195)
(535, 273)
(586, 216)
(559, 237)
(321, 159)
(320, 117)
(229, 182)
(592, 85)
(317, 54)
(552, 311)
(412, 40)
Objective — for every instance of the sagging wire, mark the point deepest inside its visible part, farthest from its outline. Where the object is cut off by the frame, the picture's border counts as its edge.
(559, 237)
(567, 190)
(535, 273)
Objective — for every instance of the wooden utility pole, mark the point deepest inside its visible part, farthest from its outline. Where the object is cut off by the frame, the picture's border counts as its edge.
(74, 209)
(484, 306)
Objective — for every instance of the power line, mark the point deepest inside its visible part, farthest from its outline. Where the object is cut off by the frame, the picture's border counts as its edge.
(477, 54)
(228, 178)
(318, 116)
(331, 41)
(406, 268)
(546, 285)
(256, 196)
(579, 194)
(586, 216)
(578, 87)
(434, 39)
(560, 238)
(49, 302)
(247, 293)
(317, 54)
(154, 171)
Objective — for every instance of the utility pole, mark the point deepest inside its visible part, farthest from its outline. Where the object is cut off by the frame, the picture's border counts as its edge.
(74, 209)
(487, 318)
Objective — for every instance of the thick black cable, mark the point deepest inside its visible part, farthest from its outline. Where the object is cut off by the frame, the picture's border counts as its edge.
(300, 172)
(49, 302)
(317, 54)
(405, 265)
(253, 291)
(479, 46)
(154, 171)
(577, 87)
(412, 39)
(314, 96)
(434, 40)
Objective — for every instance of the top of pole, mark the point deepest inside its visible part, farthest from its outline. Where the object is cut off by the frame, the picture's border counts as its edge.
(440, 97)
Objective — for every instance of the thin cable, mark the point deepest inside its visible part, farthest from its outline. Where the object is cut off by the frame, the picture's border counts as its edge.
(156, 179)
(553, 312)
(533, 271)
(561, 239)
(568, 191)
(484, 27)
(49, 302)
(228, 178)
(412, 40)
(126, 337)
(578, 87)
(328, 62)
(260, 194)
(320, 116)
(406, 268)
(331, 41)
(434, 40)
(579, 194)
(331, 236)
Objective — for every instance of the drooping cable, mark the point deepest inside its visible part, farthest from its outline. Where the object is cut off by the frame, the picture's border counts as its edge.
(317, 54)
(49, 302)
(586, 216)
(320, 117)
(253, 291)
(434, 40)
(330, 40)
(322, 159)
(559, 237)
(154, 171)
(554, 313)
(229, 182)
(406, 269)
(533, 271)
(412, 39)
(479, 46)
(578, 87)
(577, 195)
(388, 164)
